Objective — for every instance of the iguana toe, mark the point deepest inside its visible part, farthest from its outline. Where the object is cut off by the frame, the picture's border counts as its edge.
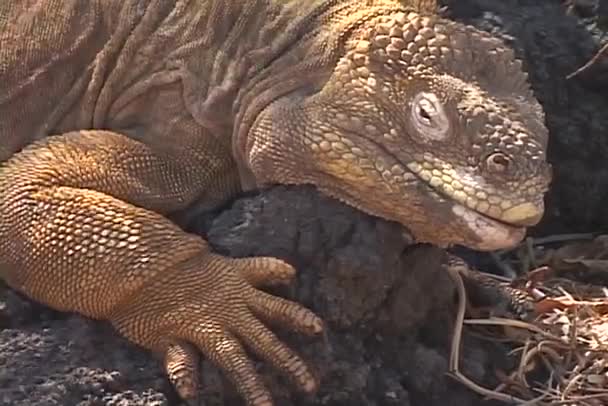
(182, 368)
(225, 351)
(264, 271)
(268, 347)
(499, 296)
(284, 312)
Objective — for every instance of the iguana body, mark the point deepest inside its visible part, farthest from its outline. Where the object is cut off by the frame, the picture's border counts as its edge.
(116, 114)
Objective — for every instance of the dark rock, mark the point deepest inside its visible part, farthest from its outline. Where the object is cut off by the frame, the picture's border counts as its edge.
(554, 42)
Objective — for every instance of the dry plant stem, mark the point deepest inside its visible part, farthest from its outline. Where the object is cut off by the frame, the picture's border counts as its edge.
(603, 50)
(575, 399)
(519, 374)
(506, 382)
(574, 330)
(563, 238)
(598, 391)
(500, 321)
(545, 348)
(454, 371)
(573, 339)
(531, 257)
(534, 402)
(549, 366)
(488, 393)
(527, 360)
(497, 277)
(570, 386)
(459, 323)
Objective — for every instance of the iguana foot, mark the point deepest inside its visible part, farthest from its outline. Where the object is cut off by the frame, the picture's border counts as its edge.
(82, 229)
(210, 304)
(499, 296)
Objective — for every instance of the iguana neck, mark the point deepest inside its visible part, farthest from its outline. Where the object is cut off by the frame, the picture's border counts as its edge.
(275, 48)
(260, 46)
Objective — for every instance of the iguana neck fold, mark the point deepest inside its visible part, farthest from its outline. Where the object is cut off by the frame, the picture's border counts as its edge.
(298, 62)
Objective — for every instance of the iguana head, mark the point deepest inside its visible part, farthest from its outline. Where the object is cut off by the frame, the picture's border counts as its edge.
(423, 121)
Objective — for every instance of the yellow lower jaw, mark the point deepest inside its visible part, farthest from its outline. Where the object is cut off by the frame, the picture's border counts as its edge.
(525, 214)
(446, 181)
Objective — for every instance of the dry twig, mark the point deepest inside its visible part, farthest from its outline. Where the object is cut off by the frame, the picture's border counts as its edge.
(567, 342)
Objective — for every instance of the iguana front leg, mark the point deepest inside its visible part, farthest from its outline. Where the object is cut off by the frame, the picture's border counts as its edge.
(81, 229)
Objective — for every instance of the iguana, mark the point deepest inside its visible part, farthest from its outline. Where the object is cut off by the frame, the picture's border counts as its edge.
(117, 114)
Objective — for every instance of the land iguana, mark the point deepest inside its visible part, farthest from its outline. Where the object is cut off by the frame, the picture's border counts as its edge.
(117, 114)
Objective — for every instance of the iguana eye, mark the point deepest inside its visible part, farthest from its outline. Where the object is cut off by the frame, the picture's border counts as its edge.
(426, 111)
(429, 117)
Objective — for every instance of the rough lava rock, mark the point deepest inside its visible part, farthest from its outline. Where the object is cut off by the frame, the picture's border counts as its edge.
(554, 39)
(388, 304)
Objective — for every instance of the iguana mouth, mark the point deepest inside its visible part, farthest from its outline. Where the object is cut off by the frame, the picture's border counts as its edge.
(493, 234)
(496, 229)
(465, 191)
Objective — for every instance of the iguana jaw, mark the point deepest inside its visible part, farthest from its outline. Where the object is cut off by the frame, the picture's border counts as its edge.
(458, 225)
(444, 221)
(523, 207)
(493, 234)
(497, 223)
(498, 220)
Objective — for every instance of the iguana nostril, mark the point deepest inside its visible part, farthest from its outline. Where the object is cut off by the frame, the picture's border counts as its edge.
(498, 162)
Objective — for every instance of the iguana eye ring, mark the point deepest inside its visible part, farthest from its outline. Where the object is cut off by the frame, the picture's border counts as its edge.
(429, 117)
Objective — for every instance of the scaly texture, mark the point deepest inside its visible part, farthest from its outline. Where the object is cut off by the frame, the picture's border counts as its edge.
(118, 114)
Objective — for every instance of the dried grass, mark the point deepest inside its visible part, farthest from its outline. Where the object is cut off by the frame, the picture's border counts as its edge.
(562, 349)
